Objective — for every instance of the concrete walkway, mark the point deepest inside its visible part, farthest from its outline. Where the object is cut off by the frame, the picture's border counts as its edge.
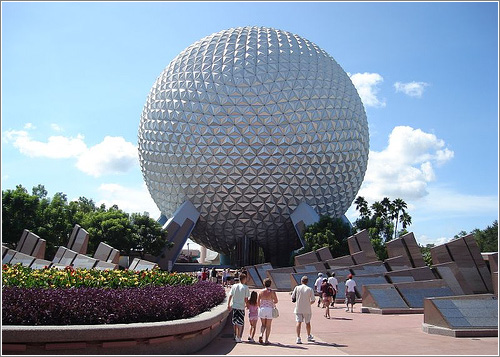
(349, 333)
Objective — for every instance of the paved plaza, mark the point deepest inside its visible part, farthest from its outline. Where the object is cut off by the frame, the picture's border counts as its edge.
(349, 333)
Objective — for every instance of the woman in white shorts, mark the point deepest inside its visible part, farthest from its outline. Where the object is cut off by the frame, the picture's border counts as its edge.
(266, 300)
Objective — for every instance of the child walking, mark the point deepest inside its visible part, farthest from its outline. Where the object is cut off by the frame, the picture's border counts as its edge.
(253, 315)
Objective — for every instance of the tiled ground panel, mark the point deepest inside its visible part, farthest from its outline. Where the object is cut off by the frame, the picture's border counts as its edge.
(401, 279)
(450, 278)
(340, 272)
(311, 275)
(415, 296)
(369, 269)
(362, 280)
(282, 280)
(471, 313)
(262, 268)
(255, 276)
(388, 298)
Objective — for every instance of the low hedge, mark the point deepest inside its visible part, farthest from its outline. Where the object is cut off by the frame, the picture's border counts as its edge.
(87, 306)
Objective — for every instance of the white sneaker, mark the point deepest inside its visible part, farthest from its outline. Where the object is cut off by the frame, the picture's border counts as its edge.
(299, 341)
(237, 339)
(310, 338)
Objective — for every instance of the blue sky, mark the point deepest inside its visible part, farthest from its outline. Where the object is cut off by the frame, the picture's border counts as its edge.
(75, 76)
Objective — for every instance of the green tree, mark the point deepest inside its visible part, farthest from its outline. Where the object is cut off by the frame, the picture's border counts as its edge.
(53, 219)
(55, 224)
(39, 191)
(426, 253)
(111, 226)
(487, 239)
(148, 235)
(398, 205)
(460, 234)
(327, 232)
(381, 220)
(362, 207)
(19, 212)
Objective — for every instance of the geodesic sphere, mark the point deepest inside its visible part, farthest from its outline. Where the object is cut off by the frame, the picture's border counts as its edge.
(247, 123)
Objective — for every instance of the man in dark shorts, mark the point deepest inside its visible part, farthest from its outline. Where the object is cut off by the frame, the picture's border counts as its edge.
(239, 295)
(350, 292)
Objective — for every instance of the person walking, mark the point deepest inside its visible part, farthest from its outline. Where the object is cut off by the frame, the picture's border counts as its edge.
(253, 315)
(266, 300)
(238, 299)
(327, 293)
(213, 275)
(225, 274)
(334, 283)
(303, 296)
(350, 294)
(317, 286)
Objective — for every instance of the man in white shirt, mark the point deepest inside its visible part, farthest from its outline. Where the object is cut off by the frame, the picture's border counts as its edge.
(334, 282)
(350, 292)
(317, 286)
(303, 296)
(239, 296)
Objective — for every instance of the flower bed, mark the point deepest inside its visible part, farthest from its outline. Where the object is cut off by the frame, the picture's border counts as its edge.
(21, 276)
(57, 304)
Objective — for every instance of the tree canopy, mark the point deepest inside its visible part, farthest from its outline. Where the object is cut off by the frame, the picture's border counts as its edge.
(381, 219)
(53, 219)
(486, 239)
(327, 232)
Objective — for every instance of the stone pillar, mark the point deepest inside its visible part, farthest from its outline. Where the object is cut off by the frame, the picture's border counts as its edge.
(203, 254)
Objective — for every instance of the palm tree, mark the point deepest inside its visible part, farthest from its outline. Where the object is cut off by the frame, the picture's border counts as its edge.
(405, 219)
(398, 205)
(386, 202)
(379, 210)
(362, 207)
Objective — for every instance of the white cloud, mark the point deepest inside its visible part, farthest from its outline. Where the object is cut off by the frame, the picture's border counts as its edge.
(412, 89)
(366, 85)
(112, 155)
(128, 199)
(423, 240)
(29, 126)
(56, 127)
(57, 147)
(405, 167)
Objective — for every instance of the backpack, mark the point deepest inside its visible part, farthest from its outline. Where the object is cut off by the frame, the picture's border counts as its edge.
(330, 290)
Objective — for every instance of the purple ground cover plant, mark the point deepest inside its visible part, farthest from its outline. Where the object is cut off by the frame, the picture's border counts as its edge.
(89, 306)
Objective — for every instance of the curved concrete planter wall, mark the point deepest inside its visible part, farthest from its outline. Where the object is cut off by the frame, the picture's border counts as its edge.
(184, 336)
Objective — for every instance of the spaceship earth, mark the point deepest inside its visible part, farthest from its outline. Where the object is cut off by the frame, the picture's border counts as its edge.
(246, 124)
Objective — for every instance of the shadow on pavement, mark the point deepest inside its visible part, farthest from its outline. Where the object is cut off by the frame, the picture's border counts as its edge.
(329, 344)
(304, 345)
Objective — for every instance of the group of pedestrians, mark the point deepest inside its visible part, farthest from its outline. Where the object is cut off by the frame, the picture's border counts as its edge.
(326, 290)
(261, 304)
(226, 277)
